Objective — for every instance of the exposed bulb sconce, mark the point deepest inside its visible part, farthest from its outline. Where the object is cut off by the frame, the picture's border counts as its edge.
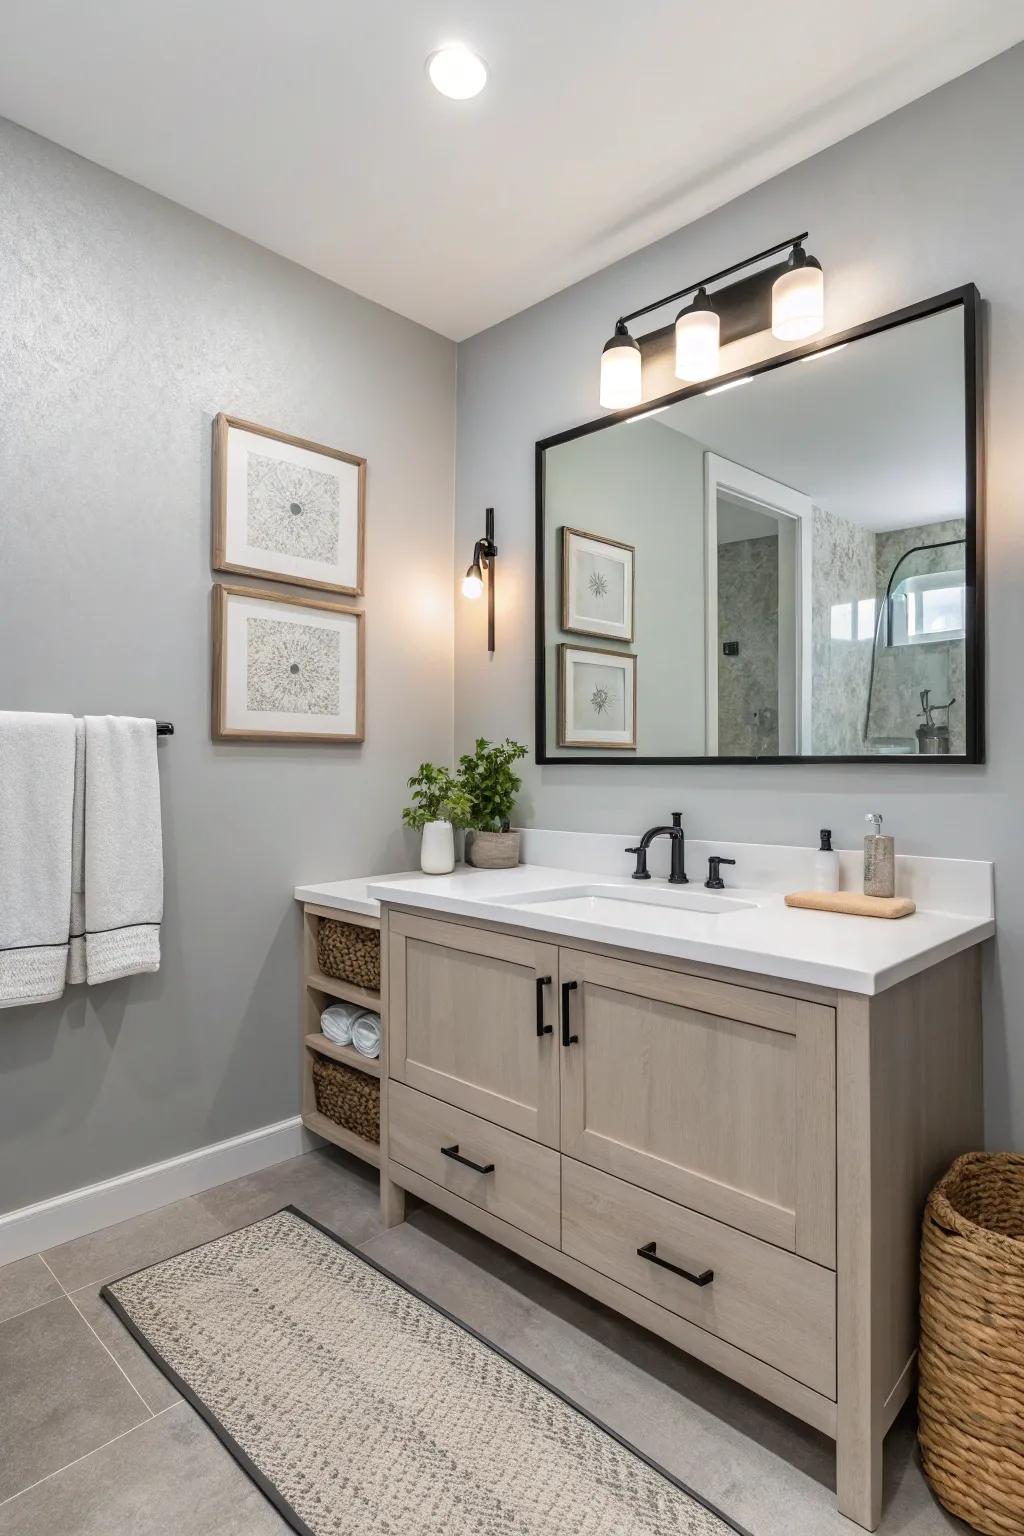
(620, 371)
(798, 298)
(697, 332)
(788, 297)
(484, 552)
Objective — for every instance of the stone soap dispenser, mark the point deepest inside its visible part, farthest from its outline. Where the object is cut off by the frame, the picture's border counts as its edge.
(879, 860)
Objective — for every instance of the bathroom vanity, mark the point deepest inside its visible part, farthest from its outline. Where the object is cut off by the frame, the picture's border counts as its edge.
(718, 1115)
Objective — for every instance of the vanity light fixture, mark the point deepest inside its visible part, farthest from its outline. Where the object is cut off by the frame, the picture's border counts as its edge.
(620, 371)
(798, 298)
(786, 297)
(697, 332)
(484, 552)
(457, 71)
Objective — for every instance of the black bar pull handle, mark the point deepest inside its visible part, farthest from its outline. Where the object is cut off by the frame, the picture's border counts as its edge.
(542, 1028)
(649, 1251)
(567, 987)
(456, 1157)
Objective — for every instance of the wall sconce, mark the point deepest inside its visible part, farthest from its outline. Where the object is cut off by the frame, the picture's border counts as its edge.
(788, 297)
(484, 552)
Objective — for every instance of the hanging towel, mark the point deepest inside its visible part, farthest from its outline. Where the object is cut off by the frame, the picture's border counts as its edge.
(76, 946)
(123, 859)
(37, 772)
(366, 1034)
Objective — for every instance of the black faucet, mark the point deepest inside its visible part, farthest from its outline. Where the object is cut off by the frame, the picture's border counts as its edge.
(675, 832)
(714, 881)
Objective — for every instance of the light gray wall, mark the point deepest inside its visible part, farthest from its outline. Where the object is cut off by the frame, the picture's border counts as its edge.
(921, 202)
(641, 484)
(126, 323)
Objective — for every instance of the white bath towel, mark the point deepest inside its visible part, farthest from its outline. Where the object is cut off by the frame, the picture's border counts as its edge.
(123, 862)
(76, 947)
(337, 1020)
(366, 1034)
(37, 772)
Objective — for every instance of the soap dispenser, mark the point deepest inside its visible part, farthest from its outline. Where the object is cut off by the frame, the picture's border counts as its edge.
(826, 864)
(879, 860)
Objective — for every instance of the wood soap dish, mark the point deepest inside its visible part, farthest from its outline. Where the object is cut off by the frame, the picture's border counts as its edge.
(852, 902)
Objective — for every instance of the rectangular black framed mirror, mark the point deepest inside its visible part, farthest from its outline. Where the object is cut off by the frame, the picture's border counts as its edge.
(790, 571)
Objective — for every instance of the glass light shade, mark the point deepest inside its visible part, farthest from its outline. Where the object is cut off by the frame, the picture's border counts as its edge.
(472, 582)
(621, 373)
(696, 345)
(456, 71)
(798, 302)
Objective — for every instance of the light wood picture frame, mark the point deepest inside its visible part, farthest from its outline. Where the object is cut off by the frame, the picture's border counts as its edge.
(287, 508)
(596, 697)
(598, 586)
(286, 668)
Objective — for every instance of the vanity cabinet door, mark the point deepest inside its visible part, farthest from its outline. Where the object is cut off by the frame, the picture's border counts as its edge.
(471, 1020)
(719, 1097)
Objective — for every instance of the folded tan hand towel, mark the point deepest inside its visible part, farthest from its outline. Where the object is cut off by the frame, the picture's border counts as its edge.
(853, 902)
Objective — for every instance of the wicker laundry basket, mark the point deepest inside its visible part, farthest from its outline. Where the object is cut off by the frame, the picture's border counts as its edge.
(349, 953)
(972, 1342)
(348, 1097)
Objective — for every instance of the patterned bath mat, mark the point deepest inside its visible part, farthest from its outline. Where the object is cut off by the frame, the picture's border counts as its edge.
(361, 1409)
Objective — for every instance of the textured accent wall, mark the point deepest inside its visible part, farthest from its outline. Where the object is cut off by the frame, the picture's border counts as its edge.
(126, 323)
(920, 202)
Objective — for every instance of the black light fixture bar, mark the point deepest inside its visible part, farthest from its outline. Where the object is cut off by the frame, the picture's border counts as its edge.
(715, 277)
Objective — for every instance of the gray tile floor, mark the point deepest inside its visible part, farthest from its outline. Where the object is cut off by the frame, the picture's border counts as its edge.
(95, 1442)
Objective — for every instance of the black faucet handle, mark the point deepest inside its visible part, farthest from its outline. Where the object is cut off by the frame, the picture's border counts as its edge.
(677, 818)
(714, 881)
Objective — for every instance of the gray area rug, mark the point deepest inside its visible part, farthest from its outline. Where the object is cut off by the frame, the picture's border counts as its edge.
(361, 1409)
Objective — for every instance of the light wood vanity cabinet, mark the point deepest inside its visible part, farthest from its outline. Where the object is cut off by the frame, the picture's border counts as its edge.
(736, 1162)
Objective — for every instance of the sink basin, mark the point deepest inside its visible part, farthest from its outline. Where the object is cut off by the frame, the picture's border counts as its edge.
(664, 910)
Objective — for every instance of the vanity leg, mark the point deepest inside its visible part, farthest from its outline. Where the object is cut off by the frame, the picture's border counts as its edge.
(392, 1201)
(859, 1469)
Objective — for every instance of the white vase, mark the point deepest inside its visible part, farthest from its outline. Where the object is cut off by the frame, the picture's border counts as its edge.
(437, 848)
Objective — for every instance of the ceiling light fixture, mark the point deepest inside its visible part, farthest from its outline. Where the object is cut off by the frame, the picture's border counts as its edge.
(786, 298)
(457, 71)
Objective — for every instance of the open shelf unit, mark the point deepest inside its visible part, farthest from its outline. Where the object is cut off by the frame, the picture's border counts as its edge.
(316, 989)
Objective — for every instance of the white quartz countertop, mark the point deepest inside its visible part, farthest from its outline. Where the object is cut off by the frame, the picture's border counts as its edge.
(350, 895)
(852, 954)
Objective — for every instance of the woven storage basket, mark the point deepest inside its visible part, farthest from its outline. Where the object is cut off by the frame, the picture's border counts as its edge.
(349, 1098)
(349, 953)
(971, 1408)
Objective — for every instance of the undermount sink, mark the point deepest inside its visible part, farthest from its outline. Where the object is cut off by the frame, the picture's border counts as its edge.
(628, 906)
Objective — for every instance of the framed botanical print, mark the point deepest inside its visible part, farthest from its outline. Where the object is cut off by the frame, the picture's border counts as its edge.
(596, 697)
(597, 586)
(287, 508)
(286, 668)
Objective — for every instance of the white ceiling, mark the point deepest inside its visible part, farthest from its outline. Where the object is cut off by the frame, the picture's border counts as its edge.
(310, 126)
(873, 432)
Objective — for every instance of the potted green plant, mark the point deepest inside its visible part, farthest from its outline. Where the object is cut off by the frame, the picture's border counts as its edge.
(439, 804)
(491, 786)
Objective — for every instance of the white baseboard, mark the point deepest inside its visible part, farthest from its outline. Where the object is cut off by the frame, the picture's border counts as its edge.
(35, 1227)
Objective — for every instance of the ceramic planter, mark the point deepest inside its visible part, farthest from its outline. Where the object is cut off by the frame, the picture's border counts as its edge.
(492, 850)
(437, 848)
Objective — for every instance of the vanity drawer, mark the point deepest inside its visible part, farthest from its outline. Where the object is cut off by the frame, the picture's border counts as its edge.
(522, 1186)
(770, 1303)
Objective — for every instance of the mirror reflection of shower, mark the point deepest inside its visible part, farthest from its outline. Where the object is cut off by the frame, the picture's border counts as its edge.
(919, 637)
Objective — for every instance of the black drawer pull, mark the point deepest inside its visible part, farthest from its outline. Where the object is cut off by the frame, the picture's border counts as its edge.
(567, 987)
(542, 1028)
(453, 1153)
(649, 1251)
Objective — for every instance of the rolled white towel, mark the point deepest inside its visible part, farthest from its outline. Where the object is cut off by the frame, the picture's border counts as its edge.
(366, 1034)
(336, 1021)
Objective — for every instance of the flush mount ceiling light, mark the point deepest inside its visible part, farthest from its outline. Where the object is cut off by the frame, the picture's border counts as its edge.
(457, 71)
(786, 297)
